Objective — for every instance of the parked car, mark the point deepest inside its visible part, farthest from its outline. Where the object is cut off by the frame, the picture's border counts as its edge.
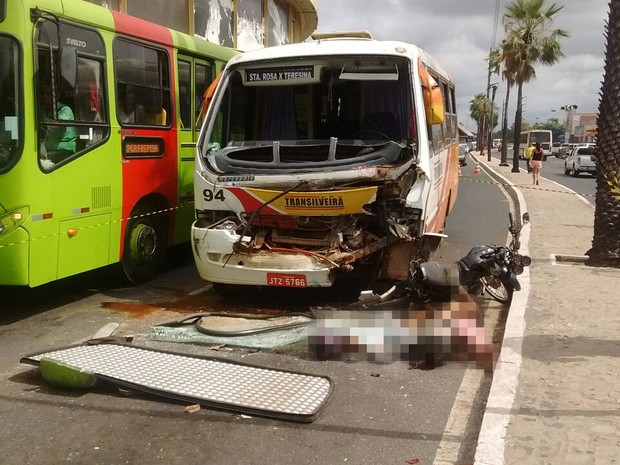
(463, 152)
(581, 160)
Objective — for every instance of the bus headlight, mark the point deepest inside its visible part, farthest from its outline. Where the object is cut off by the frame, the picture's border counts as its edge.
(12, 220)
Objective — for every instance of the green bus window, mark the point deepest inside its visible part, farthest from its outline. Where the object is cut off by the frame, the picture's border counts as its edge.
(11, 130)
(204, 77)
(71, 111)
(185, 94)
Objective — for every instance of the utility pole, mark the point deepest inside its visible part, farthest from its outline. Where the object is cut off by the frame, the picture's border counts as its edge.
(485, 115)
(490, 144)
(570, 112)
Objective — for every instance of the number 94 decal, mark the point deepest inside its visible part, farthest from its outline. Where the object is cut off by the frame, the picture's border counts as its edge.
(210, 195)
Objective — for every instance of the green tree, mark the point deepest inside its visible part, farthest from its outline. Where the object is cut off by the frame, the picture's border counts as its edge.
(530, 41)
(496, 59)
(479, 108)
(606, 241)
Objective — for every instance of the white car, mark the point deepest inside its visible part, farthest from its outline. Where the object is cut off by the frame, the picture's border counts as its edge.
(582, 159)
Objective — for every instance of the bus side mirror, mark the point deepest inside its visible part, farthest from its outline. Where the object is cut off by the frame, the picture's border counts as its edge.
(68, 67)
(208, 96)
(433, 98)
(433, 103)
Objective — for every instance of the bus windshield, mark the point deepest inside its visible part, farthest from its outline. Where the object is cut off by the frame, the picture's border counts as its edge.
(354, 102)
(10, 141)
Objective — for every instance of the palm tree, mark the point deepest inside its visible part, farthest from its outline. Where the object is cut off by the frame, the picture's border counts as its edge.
(496, 59)
(479, 109)
(606, 241)
(530, 41)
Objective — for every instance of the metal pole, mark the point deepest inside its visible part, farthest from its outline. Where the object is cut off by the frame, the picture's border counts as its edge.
(490, 144)
(484, 117)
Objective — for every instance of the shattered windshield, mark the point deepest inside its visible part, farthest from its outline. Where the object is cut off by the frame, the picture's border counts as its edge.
(10, 120)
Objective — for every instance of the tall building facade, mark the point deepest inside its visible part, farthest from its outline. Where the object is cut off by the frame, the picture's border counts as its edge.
(242, 24)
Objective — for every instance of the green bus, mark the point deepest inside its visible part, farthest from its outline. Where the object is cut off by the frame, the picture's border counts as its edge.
(99, 117)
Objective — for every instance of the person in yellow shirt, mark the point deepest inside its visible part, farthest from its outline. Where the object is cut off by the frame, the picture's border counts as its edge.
(527, 154)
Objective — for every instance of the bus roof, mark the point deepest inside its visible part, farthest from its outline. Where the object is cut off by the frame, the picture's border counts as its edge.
(343, 46)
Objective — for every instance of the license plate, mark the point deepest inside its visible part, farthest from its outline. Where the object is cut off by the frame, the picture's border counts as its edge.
(286, 280)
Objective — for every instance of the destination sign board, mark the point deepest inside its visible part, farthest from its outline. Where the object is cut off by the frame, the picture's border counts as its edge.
(302, 74)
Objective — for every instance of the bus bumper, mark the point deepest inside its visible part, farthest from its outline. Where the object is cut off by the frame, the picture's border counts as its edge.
(257, 268)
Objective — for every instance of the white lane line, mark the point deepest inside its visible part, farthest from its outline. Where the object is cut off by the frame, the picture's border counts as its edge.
(448, 450)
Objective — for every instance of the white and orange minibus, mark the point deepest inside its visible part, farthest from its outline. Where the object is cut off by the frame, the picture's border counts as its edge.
(326, 159)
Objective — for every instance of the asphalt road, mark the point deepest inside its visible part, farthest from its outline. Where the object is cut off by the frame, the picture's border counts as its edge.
(584, 184)
(380, 412)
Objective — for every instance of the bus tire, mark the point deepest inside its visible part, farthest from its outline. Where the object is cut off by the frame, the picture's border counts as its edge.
(145, 245)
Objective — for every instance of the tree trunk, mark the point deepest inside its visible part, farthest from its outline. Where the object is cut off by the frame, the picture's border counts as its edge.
(504, 155)
(517, 135)
(605, 249)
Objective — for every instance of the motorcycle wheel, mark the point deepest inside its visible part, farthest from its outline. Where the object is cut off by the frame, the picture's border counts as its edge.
(497, 289)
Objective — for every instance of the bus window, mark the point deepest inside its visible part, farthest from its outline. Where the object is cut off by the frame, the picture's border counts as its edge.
(11, 141)
(145, 71)
(185, 94)
(71, 109)
(204, 77)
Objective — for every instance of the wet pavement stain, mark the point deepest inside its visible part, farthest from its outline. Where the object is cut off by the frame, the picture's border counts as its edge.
(133, 309)
(244, 300)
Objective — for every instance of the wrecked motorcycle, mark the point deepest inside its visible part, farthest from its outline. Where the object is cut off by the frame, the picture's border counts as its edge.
(485, 269)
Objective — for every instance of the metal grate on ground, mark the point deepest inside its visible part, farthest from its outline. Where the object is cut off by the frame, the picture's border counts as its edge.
(208, 381)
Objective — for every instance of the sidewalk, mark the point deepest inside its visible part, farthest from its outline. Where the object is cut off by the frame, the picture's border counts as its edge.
(555, 397)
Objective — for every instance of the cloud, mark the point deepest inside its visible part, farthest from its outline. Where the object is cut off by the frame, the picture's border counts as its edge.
(459, 34)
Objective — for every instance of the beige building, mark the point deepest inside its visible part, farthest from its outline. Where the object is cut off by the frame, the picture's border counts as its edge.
(242, 24)
(582, 127)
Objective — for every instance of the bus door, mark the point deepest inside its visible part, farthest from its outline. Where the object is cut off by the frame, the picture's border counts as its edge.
(195, 75)
(144, 90)
(77, 179)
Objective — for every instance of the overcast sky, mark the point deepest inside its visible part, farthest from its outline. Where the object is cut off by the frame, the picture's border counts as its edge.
(459, 34)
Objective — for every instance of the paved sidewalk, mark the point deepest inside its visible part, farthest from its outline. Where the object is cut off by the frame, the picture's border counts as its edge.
(555, 397)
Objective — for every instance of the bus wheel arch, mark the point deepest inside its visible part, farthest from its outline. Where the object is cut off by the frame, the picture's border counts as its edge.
(146, 240)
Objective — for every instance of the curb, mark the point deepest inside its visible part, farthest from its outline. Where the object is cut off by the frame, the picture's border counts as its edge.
(492, 435)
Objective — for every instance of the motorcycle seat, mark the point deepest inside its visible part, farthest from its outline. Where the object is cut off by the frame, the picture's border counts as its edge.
(439, 275)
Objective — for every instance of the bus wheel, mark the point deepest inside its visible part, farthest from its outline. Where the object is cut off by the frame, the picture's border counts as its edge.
(145, 245)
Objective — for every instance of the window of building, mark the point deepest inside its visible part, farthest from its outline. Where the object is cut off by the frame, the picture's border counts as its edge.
(214, 21)
(170, 13)
(278, 22)
(250, 25)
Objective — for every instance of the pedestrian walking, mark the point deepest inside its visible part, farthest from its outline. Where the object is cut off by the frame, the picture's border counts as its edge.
(536, 162)
(527, 154)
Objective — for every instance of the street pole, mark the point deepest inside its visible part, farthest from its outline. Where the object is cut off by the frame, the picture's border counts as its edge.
(570, 111)
(504, 154)
(484, 117)
(490, 144)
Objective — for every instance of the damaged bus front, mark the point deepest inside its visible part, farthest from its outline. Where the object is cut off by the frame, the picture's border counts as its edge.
(322, 160)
